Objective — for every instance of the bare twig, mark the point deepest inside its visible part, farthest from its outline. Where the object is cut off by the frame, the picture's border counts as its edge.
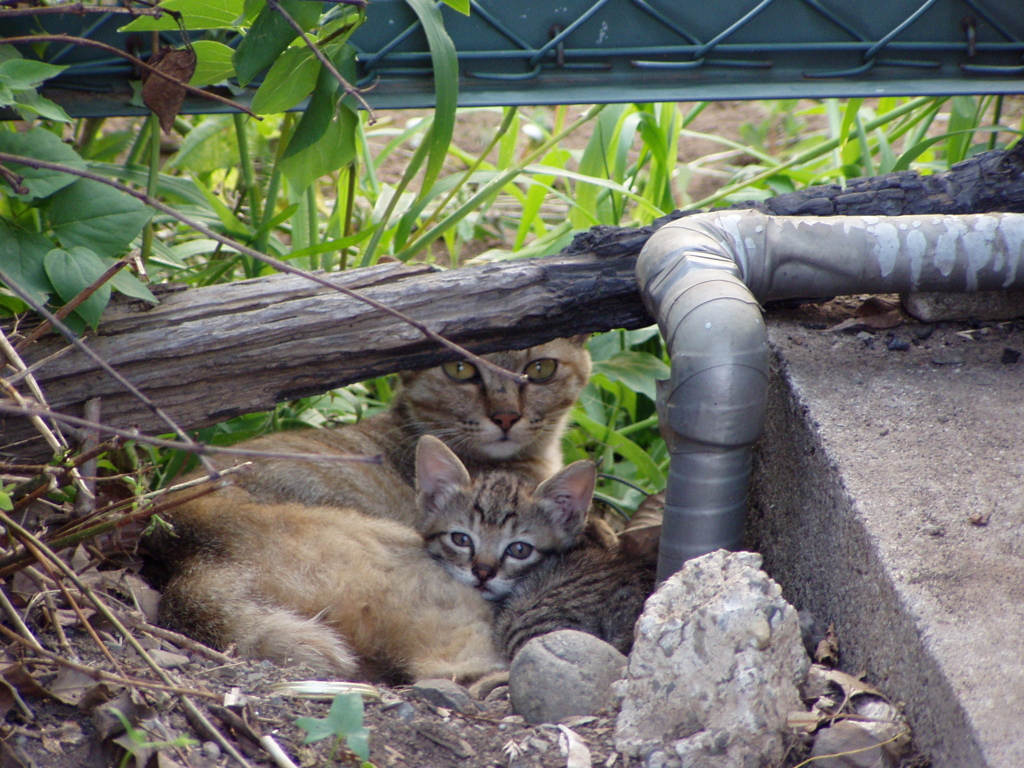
(88, 352)
(277, 264)
(72, 305)
(46, 563)
(55, 441)
(72, 40)
(102, 608)
(328, 65)
(15, 618)
(102, 674)
(85, 504)
(275, 751)
(80, 9)
(139, 623)
(62, 639)
(199, 449)
(17, 377)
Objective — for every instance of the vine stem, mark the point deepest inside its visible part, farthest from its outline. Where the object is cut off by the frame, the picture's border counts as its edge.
(72, 40)
(278, 264)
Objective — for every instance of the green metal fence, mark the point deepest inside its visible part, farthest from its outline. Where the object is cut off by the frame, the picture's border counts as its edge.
(592, 51)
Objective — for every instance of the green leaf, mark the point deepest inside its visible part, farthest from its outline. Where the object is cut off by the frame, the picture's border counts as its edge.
(128, 284)
(270, 34)
(21, 257)
(73, 271)
(462, 6)
(213, 63)
(95, 216)
(30, 104)
(291, 79)
(636, 371)
(325, 138)
(594, 165)
(5, 501)
(196, 14)
(22, 74)
(40, 144)
(622, 445)
(345, 719)
(210, 146)
(445, 63)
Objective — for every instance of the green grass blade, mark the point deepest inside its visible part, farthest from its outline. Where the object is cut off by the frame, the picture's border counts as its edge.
(446, 86)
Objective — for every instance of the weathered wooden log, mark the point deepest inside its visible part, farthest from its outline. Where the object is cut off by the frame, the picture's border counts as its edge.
(208, 354)
(205, 355)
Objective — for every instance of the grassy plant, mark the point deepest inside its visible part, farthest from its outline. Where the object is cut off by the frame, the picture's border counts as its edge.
(331, 189)
(137, 741)
(343, 723)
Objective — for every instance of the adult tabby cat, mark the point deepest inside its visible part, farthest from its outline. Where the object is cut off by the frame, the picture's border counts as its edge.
(363, 597)
(489, 421)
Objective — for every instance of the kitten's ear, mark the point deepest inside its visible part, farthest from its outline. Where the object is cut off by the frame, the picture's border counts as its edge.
(579, 340)
(437, 468)
(566, 496)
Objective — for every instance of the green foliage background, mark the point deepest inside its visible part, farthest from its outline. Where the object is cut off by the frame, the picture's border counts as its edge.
(330, 188)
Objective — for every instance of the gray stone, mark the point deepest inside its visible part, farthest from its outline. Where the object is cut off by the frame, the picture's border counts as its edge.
(168, 660)
(445, 693)
(984, 305)
(715, 668)
(837, 510)
(563, 674)
(848, 745)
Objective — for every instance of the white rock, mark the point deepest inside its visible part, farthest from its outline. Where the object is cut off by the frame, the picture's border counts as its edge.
(715, 668)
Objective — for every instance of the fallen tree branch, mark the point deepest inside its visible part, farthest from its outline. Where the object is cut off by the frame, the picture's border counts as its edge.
(212, 353)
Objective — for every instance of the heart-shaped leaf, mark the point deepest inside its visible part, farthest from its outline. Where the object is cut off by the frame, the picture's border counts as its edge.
(74, 270)
(97, 217)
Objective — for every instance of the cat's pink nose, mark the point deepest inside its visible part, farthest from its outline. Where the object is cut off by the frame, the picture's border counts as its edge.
(505, 419)
(483, 572)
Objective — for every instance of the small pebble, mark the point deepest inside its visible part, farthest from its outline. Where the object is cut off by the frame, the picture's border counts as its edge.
(1010, 356)
(168, 660)
(897, 344)
(211, 750)
(923, 332)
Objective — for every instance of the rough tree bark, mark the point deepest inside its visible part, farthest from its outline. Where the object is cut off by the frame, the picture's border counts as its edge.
(208, 354)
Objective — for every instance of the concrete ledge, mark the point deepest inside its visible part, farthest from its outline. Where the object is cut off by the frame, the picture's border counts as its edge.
(869, 485)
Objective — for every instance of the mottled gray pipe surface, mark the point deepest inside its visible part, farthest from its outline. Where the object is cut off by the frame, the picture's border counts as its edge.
(702, 278)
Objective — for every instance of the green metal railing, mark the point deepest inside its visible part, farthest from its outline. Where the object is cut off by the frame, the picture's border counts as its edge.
(593, 51)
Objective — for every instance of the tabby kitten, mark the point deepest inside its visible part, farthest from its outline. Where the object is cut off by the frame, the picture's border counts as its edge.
(489, 421)
(356, 596)
(595, 587)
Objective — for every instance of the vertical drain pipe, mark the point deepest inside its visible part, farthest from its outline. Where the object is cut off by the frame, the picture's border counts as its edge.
(703, 277)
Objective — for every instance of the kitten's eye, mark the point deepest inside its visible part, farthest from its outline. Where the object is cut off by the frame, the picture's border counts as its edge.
(519, 550)
(540, 371)
(460, 370)
(460, 539)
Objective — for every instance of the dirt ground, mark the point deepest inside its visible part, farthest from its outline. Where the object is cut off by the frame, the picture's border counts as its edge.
(57, 716)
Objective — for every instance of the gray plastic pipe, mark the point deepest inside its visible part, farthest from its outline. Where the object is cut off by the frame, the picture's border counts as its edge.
(703, 277)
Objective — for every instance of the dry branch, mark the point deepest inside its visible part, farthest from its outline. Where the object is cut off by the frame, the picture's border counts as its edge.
(212, 353)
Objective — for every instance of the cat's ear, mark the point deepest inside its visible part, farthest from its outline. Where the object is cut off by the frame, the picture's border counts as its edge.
(565, 496)
(579, 340)
(437, 468)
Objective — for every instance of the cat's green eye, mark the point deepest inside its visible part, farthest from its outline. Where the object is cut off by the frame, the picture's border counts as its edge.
(460, 370)
(460, 539)
(519, 550)
(540, 371)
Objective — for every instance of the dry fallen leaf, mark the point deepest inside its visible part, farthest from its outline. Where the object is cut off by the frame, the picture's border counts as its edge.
(163, 96)
(576, 753)
(827, 652)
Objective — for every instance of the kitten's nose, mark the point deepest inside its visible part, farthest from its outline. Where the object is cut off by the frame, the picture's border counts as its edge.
(505, 419)
(483, 572)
